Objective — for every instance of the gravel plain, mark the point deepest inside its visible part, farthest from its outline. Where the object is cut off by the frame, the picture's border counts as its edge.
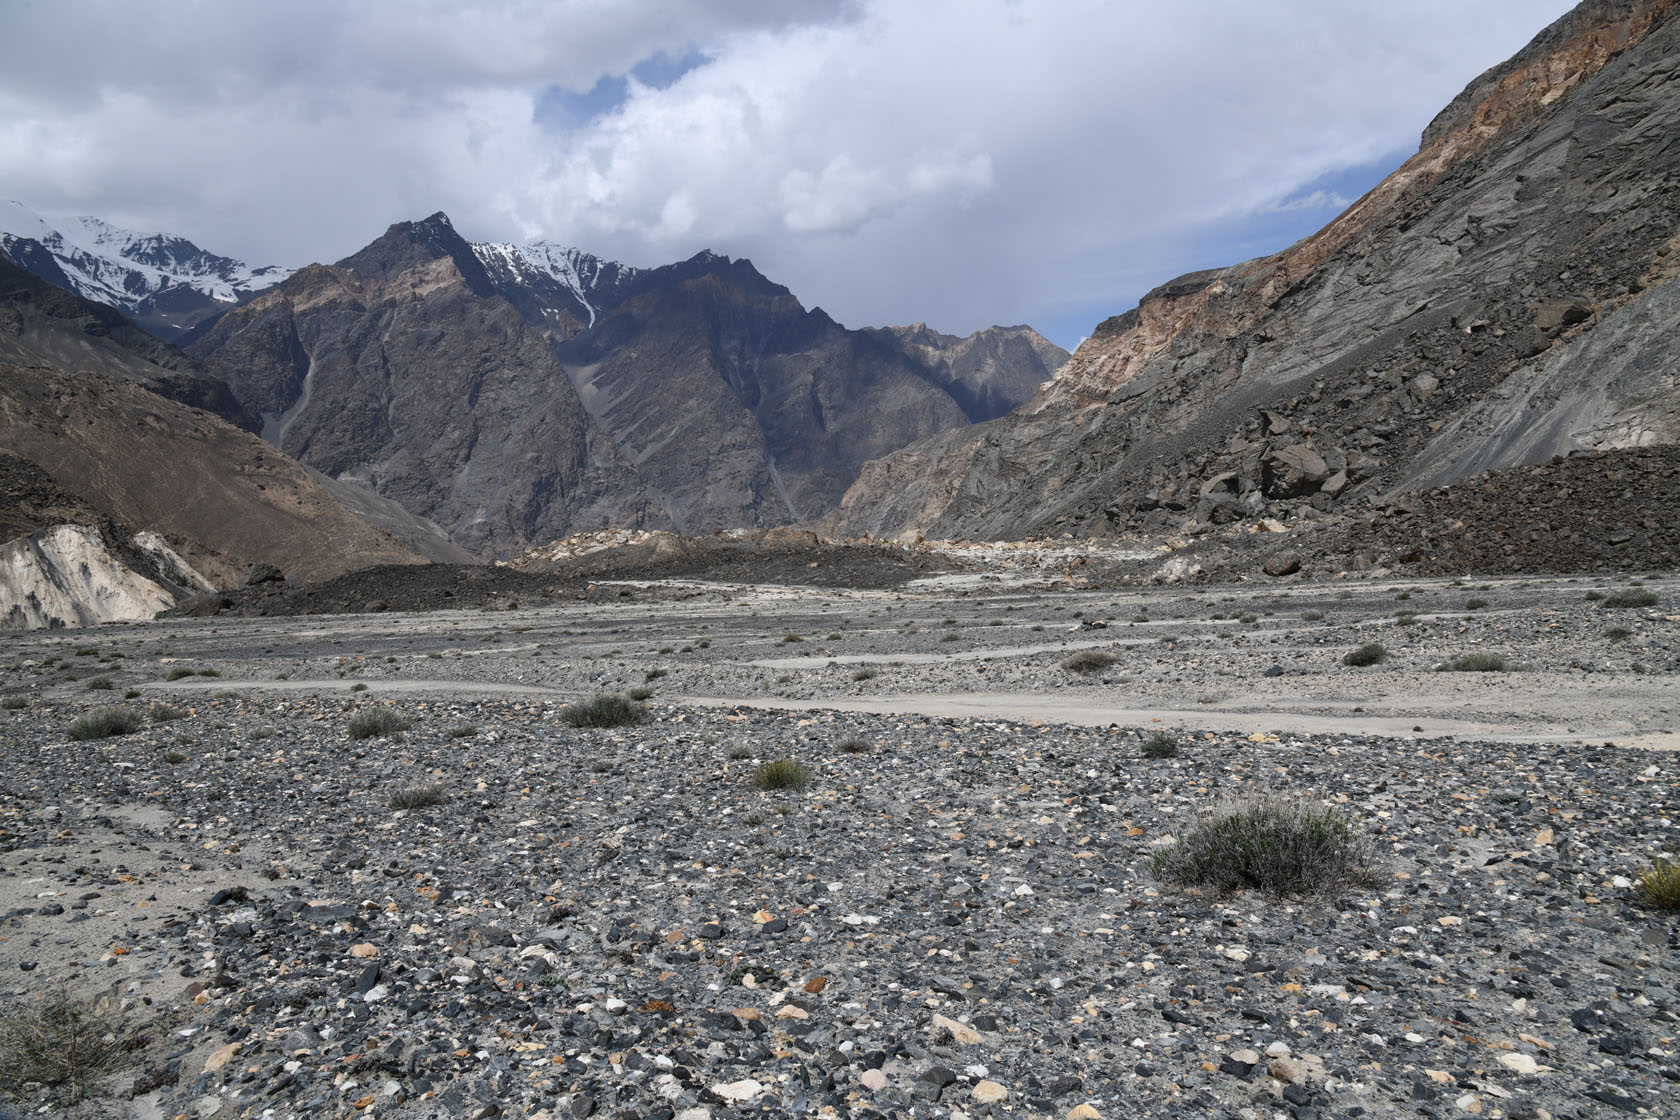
(956, 917)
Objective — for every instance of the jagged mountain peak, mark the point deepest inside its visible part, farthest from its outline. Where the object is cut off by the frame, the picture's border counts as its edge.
(162, 280)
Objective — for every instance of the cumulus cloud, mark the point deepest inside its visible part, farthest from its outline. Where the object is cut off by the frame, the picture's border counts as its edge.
(961, 162)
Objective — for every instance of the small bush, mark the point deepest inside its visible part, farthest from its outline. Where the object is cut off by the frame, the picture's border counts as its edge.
(1312, 616)
(654, 674)
(1088, 661)
(102, 723)
(418, 797)
(1277, 847)
(786, 638)
(605, 710)
(100, 684)
(13, 703)
(640, 693)
(162, 713)
(1475, 663)
(358, 687)
(209, 672)
(1638, 597)
(784, 773)
(176, 672)
(864, 674)
(1659, 885)
(132, 694)
(258, 734)
(371, 723)
(463, 731)
(174, 758)
(1593, 596)
(1160, 745)
(63, 1043)
(1618, 633)
(739, 752)
(856, 744)
(1368, 654)
(1474, 604)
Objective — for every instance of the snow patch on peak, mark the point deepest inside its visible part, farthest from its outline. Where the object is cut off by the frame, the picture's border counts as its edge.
(578, 273)
(123, 267)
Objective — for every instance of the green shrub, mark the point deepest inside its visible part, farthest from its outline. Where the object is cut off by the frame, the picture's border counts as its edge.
(62, 1043)
(1312, 616)
(174, 757)
(102, 723)
(370, 723)
(1659, 885)
(100, 684)
(161, 713)
(1638, 597)
(358, 687)
(418, 796)
(1475, 663)
(640, 693)
(1475, 604)
(786, 638)
(463, 731)
(1618, 633)
(176, 672)
(1368, 654)
(1593, 596)
(783, 773)
(1160, 745)
(13, 703)
(739, 752)
(856, 744)
(864, 674)
(654, 674)
(1088, 661)
(1278, 847)
(605, 710)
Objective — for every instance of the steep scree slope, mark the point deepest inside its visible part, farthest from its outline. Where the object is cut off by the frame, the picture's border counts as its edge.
(1504, 296)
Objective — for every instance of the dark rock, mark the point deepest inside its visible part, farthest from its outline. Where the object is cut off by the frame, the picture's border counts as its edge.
(1284, 563)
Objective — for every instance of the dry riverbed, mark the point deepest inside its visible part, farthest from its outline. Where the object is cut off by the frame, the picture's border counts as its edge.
(956, 917)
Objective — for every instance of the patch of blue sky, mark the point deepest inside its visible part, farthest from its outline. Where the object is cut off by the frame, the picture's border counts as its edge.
(561, 109)
(1213, 244)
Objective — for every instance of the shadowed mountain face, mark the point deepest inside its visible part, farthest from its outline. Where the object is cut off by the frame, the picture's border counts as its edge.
(515, 394)
(102, 430)
(1505, 296)
(43, 325)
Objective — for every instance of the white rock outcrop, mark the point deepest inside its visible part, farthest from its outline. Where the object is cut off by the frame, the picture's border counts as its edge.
(69, 576)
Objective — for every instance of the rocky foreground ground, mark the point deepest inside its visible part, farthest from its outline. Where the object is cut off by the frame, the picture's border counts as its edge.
(957, 916)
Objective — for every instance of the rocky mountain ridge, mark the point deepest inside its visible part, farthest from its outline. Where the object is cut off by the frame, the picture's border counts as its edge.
(162, 281)
(518, 394)
(1504, 296)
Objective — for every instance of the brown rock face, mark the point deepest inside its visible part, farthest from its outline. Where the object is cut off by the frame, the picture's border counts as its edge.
(222, 498)
(1506, 295)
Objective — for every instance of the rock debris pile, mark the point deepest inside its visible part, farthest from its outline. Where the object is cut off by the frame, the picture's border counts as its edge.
(957, 919)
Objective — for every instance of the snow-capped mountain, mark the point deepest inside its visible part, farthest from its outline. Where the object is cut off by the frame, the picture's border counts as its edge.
(164, 282)
(565, 289)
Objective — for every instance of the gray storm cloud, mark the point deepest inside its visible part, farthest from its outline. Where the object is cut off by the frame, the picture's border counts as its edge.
(962, 162)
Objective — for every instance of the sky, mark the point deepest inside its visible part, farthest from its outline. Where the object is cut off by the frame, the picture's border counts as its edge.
(957, 162)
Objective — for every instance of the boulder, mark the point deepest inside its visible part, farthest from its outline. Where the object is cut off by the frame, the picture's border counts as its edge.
(1293, 472)
(1284, 563)
(258, 574)
(1555, 314)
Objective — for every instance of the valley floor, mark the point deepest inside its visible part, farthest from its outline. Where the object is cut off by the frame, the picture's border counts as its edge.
(956, 917)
